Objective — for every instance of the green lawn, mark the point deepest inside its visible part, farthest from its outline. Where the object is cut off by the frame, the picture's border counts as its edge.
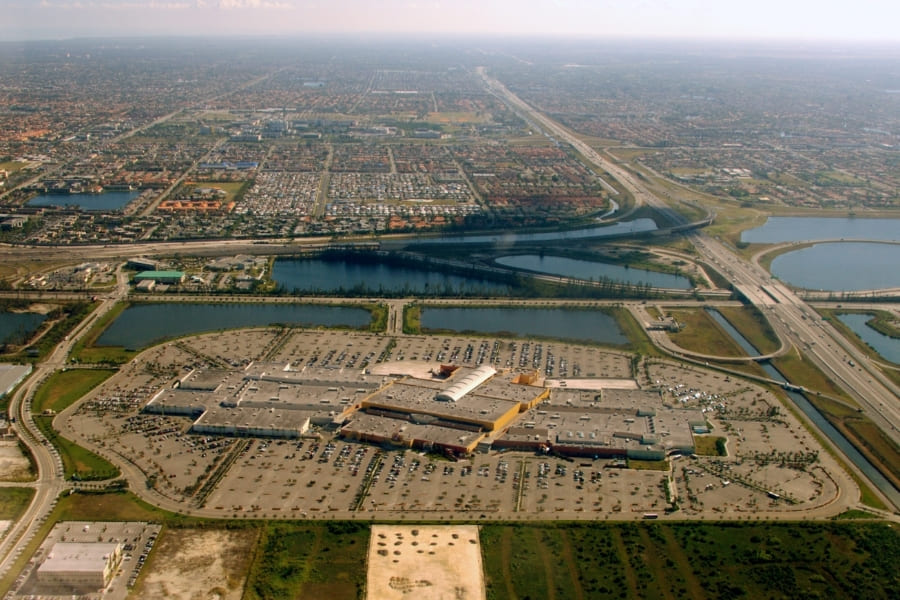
(59, 391)
(700, 333)
(14, 501)
(65, 387)
(751, 324)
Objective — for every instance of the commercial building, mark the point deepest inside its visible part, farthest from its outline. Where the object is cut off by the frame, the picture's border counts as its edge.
(168, 277)
(612, 424)
(264, 399)
(79, 567)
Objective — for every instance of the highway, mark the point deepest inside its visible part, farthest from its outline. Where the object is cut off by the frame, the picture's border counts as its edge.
(793, 320)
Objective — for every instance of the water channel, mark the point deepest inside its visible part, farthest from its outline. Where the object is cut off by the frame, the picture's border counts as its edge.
(847, 266)
(561, 323)
(801, 229)
(16, 328)
(142, 325)
(836, 437)
(104, 201)
(593, 271)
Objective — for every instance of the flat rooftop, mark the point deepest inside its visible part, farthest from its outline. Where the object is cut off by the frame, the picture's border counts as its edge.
(74, 557)
(255, 418)
(400, 430)
(409, 397)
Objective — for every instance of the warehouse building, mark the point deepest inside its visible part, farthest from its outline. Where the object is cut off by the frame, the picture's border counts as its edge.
(166, 277)
(79, 567)
(253, 422)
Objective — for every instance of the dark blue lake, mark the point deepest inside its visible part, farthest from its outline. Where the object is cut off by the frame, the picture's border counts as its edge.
(142, 325)
(841, 266)
(802, 229)
(508, 239)
(582, 325)
(337, 276)
(591, 270)
(884, 345)
(16, 328)
(104, 201)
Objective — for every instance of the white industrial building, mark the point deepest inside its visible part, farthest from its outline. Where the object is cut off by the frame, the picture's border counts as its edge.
(79, 568)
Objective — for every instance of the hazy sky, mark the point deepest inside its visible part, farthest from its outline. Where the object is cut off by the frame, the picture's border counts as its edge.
(864, 20)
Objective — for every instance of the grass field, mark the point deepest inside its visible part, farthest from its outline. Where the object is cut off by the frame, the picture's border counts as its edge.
(231, 188)
(638, 341)
(412, 319)
(78, 463)
(84, 350)
(310, 560)
(708, 445)
(65, 387)
(800, 371)
(700, 333)
(751, 324)
(696, 560)
(59, 391)
(852, 557)
(12, 166)
(14, 501)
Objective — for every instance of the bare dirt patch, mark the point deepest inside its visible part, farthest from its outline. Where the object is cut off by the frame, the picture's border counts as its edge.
(14, 465)
(192, 564)
(425, 562)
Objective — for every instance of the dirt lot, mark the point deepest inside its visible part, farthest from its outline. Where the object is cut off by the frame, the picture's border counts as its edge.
(14, 466)
(191, 564)
(425, 562)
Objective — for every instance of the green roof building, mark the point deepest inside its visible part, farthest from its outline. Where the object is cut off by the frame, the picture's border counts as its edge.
(160, 276)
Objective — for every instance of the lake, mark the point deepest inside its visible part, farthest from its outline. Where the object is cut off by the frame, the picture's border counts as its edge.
(104, 201)
(886, 346)
(801, 229)
(16, 328)
(142, 325)
(591, 270)
(561, 323)
(841, 266)
(622, 228)
(342, 276)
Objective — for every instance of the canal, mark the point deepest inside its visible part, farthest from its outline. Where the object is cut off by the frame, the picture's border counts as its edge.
(836, 437)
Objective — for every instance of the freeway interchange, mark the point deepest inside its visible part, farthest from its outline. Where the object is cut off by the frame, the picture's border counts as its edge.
(792, 319)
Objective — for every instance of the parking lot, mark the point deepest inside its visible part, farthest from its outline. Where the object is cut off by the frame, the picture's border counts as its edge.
(773, 465)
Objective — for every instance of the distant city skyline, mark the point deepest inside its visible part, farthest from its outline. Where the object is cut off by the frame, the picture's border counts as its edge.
(802, 20)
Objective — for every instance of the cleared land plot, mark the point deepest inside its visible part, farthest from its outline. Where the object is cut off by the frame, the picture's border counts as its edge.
(14, 465)
(424, 562)
(196, 563)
